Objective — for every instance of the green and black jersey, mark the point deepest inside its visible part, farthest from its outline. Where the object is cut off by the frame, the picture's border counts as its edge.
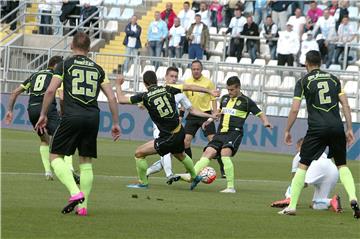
(162, 108)
(321, 91)
(36, 85)
(81, 78)
(235, 111)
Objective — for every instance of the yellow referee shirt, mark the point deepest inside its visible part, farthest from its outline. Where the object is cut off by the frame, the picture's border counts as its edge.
(201, 101)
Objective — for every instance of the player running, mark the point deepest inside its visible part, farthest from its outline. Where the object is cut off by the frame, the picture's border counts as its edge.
(235, 108)
(182, 101)
(323, 93)
(36, 85)
(162, 108)
(82, 80)
(323, 175)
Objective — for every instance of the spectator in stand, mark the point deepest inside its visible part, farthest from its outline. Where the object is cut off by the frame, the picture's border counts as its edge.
(288, 46)
(229, 9)
(57, 25)
(199, 38)
(346, 34)
(325, 30)
(216, 13)
(251, 29)
(236, 26)
(9, 7)
(176, 39)
(88, 8)
(196, 5)
(132, 41)
(270, 31)
(186, 17)
(157, 32)
(168, 15)
(205, 14)
(341, 12)
(308, 44)
(279, 12)
(44, 10)
(314, 12)
(298, 21)
(68, 9)
(260, 11)
(333, 7)
(309, 25)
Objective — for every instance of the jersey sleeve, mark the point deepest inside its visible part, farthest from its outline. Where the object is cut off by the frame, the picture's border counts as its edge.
(27, 83)
(299, 91)
(253, 108)
(173, 90)
(185, 102)
(295, 163)
(138, 98)
(59, 71)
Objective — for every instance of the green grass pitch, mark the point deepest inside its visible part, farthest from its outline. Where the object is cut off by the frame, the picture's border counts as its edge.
(31, 206)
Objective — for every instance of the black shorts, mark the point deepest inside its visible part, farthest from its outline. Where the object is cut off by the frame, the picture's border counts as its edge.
(173, 143)
(193, 123)
(231, 139)
(316, 141)
(76, 132)
(53, 118)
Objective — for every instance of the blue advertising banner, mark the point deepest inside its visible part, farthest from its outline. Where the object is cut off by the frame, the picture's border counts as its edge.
(136, 125)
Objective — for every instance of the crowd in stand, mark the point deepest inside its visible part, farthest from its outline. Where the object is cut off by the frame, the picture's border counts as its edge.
(291, 29)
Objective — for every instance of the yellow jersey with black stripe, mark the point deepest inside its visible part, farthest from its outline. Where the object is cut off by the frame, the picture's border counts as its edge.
(82, 79)
(235, 111)
(321, 91)
(199, 100)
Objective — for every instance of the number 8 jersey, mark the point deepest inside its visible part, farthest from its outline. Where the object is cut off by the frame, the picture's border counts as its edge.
(81, 78)
(321, 91)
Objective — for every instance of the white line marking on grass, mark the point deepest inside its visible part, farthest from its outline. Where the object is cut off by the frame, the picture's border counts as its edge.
(157, 178)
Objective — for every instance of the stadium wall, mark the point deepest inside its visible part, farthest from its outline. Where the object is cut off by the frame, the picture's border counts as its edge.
(136, 125)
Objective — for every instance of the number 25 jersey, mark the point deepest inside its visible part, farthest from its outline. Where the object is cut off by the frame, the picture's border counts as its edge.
(81, 78)
(321, 91)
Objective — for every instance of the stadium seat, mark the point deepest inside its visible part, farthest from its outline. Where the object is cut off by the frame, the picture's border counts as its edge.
(126, 85)
(185, 56)
(231, 59)
(180, 73)
(111, 26)
(285, 101)
(206, 73)
(352, 102)
(288, 83)
(245, 61)
(148, 68)
(272, 100)
(352, 68)
(187, 74)
(223, 92)
(302, 113)
(142, 87)
(101, 97)
(110, 2)
(245, 79)
(215, 58)
(160, 73)
(127, 14)
(272, 63)
(114, 14)
(212, 45)
(271, 110)
(122, 2)
(351, 87)
(257, 81)
(273, 82)
(219, 49)
(213, 31)
(284, 111)
(130, 73)
(255, 96)
(230, 74)
(220, 77)
(135, 3)
(353, 12)
(259, 62)
(221, 30)
(335, 67)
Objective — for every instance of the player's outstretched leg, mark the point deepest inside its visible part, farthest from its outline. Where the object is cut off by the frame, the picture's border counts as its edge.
(202, 163)
(141, 167)
(189, 166)
(154, 168)
(69, 162)
(347, 180)
(229, 173)
(44, 153)
(87, 177)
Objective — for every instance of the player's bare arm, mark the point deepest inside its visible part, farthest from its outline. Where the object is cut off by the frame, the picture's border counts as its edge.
(199, 113)
(190, 87)
(14, 94)
(115, 130)
(346, 110)
(265, 121)
(48, 98)
(121, 98)
(291, 120)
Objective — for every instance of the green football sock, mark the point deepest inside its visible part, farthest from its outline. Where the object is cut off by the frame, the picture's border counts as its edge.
(44, 152)
(69, 162)
(65, 176)
(297, 184)
(202, 163)
(141, 167)
(87, 176)
(189, 165)
(229, 171)
(347, 180)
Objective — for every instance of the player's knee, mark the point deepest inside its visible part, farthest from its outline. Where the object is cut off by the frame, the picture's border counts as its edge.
(210, 153)
(187, 142)
(139, 153)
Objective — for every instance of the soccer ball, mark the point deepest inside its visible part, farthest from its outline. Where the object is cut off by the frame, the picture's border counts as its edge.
(208, 175)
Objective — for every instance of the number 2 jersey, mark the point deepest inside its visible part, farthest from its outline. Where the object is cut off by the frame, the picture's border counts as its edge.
(81, 78)
(161, 105)
(36, 86)
(321, 91)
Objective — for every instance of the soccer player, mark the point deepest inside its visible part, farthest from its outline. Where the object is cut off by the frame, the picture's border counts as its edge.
(203, 102)
(323, 93)
(82, 80)
(235, 108)
(162, 108)
(171, 77)
(324, 175)
(36, 85)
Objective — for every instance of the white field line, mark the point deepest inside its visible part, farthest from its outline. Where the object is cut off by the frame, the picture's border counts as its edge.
(156, 178)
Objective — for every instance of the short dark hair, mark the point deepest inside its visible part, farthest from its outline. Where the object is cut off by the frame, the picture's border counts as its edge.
(81, 41)
(197, 61)
(234, 80)
(171, 68)
(197, 15)
(187, 3)
(54, 60)
(345, 16)
(313, 58)
(150, 78)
